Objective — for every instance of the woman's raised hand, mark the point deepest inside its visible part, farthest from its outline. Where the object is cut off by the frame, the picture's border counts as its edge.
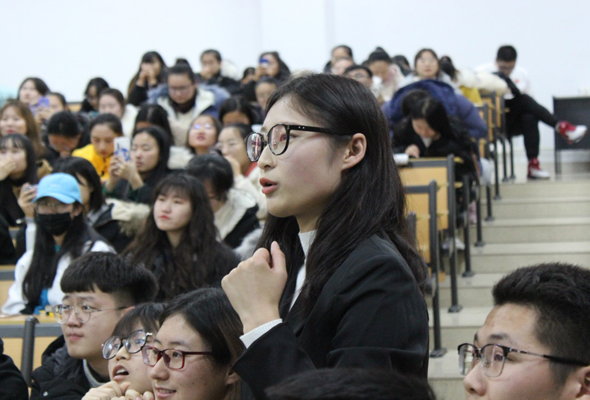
(7, 165)
(108, 391)
(134, 395)
(255, 287)
(25, 200)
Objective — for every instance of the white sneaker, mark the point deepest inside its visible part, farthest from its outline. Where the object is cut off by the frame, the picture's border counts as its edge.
(459, 243)
(535, 171)
(572, 133)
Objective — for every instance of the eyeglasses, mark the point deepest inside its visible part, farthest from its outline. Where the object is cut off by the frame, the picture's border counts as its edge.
(133, 343)
(204, 126)
(278, 139)
(83, 312)
(181, 89)
(173, 358)
(48, 208)
(493, 356)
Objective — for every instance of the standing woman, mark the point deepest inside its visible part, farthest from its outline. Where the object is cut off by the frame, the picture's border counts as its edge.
(178, 242)
(134, 180)
(62, 235)
(337, 282)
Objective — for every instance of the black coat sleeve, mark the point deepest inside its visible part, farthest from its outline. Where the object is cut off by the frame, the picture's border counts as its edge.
(138, 95)
(369, 315)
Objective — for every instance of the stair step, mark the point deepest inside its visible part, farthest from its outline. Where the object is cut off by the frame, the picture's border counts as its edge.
(457, 328)
(503, 258)
(536, 189)
(542, 207)
(475, 291)
(444, 377)
(527, 230)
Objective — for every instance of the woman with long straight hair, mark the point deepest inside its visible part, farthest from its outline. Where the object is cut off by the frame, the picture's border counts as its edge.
(336, 281)
(179, 241)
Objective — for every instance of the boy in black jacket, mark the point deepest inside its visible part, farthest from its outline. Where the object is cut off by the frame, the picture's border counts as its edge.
(99, 289)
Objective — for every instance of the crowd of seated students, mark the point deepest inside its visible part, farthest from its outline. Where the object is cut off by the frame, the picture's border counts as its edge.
(177, 209)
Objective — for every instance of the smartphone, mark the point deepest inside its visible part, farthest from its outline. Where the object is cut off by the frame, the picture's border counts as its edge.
(123, 148)
(43, 102)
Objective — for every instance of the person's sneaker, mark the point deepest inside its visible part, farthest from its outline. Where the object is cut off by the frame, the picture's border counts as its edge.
(535, 171)
(571, 133)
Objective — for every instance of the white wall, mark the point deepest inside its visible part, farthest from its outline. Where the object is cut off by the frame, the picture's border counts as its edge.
(70, 41)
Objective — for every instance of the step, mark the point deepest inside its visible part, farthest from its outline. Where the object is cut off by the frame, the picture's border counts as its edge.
(457, 328)
(536, 189)
(502, 258)
(444, 377)
(475, 291)
(528, 230)
(542, 207)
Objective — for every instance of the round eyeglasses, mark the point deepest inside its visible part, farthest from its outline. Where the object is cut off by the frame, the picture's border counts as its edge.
(133, 343)
(61, 312)
(493, 356)
(173, 358)
(278, 139)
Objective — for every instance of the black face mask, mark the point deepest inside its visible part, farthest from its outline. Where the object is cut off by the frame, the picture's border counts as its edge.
(55, 224)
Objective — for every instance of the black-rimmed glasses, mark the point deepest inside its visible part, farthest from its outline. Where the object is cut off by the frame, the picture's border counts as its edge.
(493, 356)
(133, 343)
(278, 139)
(173, 358)
(83, 312)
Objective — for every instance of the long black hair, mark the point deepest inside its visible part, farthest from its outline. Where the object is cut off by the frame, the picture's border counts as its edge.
(21, 142)
(43, 268)
(370, 198)
(100, 84)
(284, 71)
(154, 114)
(80, 166)
(199, 258)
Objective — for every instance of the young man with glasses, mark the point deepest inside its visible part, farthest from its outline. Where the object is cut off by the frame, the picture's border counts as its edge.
(534, 343)
(99, 288)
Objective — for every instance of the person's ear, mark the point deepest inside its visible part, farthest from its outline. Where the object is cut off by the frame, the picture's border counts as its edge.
(231, 377)
(355, 151)
(581, 379)
(77, 210)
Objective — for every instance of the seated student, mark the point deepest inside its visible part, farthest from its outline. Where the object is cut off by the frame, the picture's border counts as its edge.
(112, 101)
(18, 177)
(236, 110)
(426, 66)
(64, 135)
(351, 384)
(341, 65)
(525, 113)
(148, 80)
(115, 221)
(184, 101)
(127, 371)
(428, 132)
(382, 67)
(15, 117)
(12, 383)
(103, 131)
(362, 74)
(264, 88)
(455, 104)
(338, 52)
(153, 115)
(234, 210)
(57, 103)
(93, 88)
(203, 323)
(99, 288)
(534, 342)
(211, 73)
(246, 174)
(61, 236)
(178, 242)
(202, 134)
(134, 180)
(465, 79)
(31, 91)
(270, 65)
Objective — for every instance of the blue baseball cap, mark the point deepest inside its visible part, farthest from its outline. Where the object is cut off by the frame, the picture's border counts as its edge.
(63, 187)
